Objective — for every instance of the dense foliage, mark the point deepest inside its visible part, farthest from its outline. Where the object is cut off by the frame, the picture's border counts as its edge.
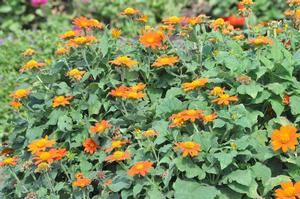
(191, 108)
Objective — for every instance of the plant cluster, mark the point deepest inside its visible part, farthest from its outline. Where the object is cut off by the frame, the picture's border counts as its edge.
(191, 108)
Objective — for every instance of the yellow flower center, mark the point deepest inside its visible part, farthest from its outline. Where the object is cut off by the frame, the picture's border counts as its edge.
(21, 92)
(118, 154)
(150, 39)
(116, 144)
(129, 11)
(290, 191)
(140, 166)
(60, 99)
(8, 161)
(41, 143)
(44, 155)
(284, 137)
(189, 145)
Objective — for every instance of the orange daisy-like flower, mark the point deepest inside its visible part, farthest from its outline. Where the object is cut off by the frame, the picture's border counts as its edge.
(75, 74)
(194, 84)
(288, 190)
(116, 144)
(124, 61)
(116, 33)
(11, 161)
(20, 93)
(15, 104)
(81, 181)
(218, 23)
(84, 22)
(247, 2)
(209, 118)
(143, 19)
(62, 51)
(289, 13)
(285, 138)
(118, 156)
(152, 39)
(225, 99)
(90, 146)
(69, 34)
(61, 101)
(194, 20)
(165, 61)
(40, 145)
(173, 20)
(28, 52)
(188, 148)
(239, 37)
(100, 127)
(58, 154)
(129, 92)
(180, 118)
(217, 91)
(141, 168)
(43, 156)
(150, 133)
(260, 40)
(130, 11)
(83, 40)
(31, 65)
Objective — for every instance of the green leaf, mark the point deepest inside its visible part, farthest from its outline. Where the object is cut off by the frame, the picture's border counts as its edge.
(154, 193)
(120, 182)
(191, 189)
(277, 106)
(242, 177)
(191, 169)
(64, 123)
(168, 106)
(261, 172)
(252, 89)
(94, 104)
(295, 105)
(225, 159)
(276, 88)
(137, 189)
(275, 181)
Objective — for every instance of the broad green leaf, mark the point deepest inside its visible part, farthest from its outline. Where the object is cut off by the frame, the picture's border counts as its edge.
(94, 104)
(295, 105)
(225, 159)
(252, 89)
(65, 123)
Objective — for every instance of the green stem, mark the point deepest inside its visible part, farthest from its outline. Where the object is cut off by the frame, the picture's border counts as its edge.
(124, 107)
(153, 183)
(17, 179)
(153, 150)
(65, 171)
(50, 182)
(42, 82)
(196, 128)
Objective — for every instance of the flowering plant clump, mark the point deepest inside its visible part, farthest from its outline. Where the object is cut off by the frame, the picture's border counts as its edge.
(192, 108)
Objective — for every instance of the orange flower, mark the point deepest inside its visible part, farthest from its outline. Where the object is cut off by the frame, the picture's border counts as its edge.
(40, 145)
(28, 52)
(116, 33)
(11, 161)
(20, 93)
(129, 92)
(75, 74)
(150, 133)
(209, 118)
(116, 144)
(69, 34)
(141, 168)
(43, 156)
(188, 148)
(239, 37)
(289, 13)
(173, 20)
(31, 65)
(247, 2)
(194, 84)
(152, 39)
(130, 11)
(285, 138)
(260, 40)
(225, 99)
(84, 22)
(288, 190)
(217, 91)
(61, 101)
(62, 51)
(58, 154)
(107, 182)
(286, 100)
(218, 23)
(90, 146)
(194, 20)
(15, 104)
(180, 118)
(165, 61)
(83, 40)
(118, 156)
(100, 127)
(124, 61)
(81, 181)
(143, 19)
